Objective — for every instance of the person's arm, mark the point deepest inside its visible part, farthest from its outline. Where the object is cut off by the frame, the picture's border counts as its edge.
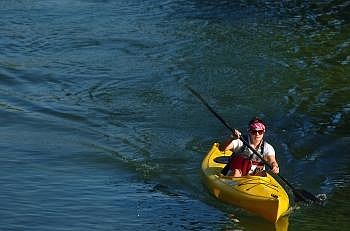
(228, 143)
(273, 164)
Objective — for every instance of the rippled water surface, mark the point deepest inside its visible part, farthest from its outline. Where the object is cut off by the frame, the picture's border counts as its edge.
(98, 131)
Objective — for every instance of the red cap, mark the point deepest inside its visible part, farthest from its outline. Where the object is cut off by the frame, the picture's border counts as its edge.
(257, 126)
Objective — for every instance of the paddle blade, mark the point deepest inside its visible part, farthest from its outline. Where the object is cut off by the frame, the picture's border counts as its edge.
(304, 196)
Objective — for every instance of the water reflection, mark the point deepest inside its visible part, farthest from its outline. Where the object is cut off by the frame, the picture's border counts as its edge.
(255, 223)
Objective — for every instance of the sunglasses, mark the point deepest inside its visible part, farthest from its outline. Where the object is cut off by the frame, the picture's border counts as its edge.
(254, 132)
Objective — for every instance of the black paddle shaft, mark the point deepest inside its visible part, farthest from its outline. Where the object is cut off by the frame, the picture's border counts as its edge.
(300, 194)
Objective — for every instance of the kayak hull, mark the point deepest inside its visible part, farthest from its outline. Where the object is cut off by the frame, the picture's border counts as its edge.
(261, 195)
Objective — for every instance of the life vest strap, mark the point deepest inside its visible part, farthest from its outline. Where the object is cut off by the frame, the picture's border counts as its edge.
(258, 163)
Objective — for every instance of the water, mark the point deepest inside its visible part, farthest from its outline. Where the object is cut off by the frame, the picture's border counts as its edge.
(98, 131)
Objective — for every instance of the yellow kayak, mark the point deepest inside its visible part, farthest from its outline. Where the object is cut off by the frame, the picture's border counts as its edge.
(261, 195)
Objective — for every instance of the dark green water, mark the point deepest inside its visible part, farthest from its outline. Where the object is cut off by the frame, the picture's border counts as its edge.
(98, 131)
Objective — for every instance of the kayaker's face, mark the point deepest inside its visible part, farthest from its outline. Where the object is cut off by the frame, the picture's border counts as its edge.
(257, 134)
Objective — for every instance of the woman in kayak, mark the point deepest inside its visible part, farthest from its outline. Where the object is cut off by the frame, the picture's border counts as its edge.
(243, 161)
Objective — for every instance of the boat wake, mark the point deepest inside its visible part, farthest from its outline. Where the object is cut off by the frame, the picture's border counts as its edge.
(322, 197)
